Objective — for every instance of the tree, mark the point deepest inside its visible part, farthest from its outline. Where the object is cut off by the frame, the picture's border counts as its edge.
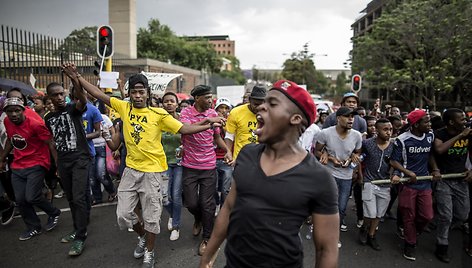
(157, 41)
(419, 50)
(341, 82)
(235, 73)
(81, 41)
(300, 69)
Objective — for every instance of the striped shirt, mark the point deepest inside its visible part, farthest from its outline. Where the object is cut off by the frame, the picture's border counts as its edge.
(199, 150)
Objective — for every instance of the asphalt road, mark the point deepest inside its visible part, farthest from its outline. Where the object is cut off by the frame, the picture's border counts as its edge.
(107, 246)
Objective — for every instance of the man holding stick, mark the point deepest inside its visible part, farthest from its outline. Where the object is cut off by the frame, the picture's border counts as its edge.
(451, 147)
(411, 157)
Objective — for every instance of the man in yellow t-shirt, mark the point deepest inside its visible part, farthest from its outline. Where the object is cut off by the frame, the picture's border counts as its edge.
(145, 161)
(242, 122)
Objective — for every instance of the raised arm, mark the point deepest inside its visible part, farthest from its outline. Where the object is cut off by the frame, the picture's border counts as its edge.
(71, 71)
(95, 91)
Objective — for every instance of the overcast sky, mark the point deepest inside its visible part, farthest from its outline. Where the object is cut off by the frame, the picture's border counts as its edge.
(266, 31)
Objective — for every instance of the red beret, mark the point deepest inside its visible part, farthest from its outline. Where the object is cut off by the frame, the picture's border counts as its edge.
(299, 96)
(415, 116)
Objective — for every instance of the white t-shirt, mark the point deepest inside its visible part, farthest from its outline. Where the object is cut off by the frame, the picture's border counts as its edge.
(309, 137)
(106, 124)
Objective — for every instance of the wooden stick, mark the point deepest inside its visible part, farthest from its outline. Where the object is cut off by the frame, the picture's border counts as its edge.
(422, 178)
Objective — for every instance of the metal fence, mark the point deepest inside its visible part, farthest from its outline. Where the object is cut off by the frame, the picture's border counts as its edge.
(25, 54)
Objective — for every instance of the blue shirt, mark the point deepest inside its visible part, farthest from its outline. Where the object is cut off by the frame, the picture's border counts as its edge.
(413, 153)
(90, 117)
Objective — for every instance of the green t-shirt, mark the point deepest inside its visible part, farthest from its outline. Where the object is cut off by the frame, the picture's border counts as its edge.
(170, 142)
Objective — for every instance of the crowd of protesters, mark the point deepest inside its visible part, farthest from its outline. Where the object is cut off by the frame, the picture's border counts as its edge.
(291, 164)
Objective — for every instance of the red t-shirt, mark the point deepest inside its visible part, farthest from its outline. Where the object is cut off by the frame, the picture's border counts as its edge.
(28, 143)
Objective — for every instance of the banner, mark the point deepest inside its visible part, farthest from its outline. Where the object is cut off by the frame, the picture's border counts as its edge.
(157, 82)
(233, 93)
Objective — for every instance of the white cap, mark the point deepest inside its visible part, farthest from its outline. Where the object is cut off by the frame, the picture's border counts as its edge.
(224, 101)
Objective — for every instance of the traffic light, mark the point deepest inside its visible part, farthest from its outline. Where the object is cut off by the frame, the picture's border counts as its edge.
(356, 83)
(98, 69)
(105, 41)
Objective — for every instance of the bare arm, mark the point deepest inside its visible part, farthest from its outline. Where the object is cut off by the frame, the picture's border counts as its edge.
(441, 147)
(71, 71)
(96, 131)
(325, 238)
(114, 141)
(434, 167)
(220, 228)
(52, 149)
(4, 154)
(221, 143)
(95, 91)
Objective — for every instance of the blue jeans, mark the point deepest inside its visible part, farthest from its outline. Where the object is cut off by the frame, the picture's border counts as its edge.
(174, 207)
(98, 175)
(344, 190)
(224, 175)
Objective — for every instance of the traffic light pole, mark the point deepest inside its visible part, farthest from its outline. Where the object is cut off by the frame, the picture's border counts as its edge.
(108, 69)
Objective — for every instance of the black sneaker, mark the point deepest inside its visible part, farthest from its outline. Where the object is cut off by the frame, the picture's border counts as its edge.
(52, 222)
(7, 215)
(441, 253)
(372, 242)
(29, 234)
(401, 233)
(409, 252)
(363, 235)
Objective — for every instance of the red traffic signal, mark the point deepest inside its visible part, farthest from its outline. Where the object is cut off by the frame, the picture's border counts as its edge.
(105, 41)
(356, 83)
(104, 31)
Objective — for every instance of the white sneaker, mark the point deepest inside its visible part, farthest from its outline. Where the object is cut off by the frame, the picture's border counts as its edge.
(360, 223)
(59, 195)
(169, 225)
(343, 228)
(339, 244)
(130, 230)
(174, 235)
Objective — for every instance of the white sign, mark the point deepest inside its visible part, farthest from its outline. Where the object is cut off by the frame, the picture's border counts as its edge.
(32, 80)
(109, 79)
(157, 82)
(233, 93)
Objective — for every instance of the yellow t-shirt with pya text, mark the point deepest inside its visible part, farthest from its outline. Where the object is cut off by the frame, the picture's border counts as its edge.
(242, 123)
(142, 130)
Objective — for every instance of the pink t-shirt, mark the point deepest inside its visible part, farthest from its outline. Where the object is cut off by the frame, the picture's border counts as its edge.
(198, 148)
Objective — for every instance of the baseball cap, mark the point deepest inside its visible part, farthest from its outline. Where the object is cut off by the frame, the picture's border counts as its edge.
(299, 96)
(258, 93)
(13, 102)
(343, 111)
(348, 95)
(138, 78)
(224, 101)
(415, 116)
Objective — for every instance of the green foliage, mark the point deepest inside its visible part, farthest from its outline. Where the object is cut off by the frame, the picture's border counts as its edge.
(81, 41)
(236, 73)
(341, 84)
(157, 41)
(419, 50)
(300, 69)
